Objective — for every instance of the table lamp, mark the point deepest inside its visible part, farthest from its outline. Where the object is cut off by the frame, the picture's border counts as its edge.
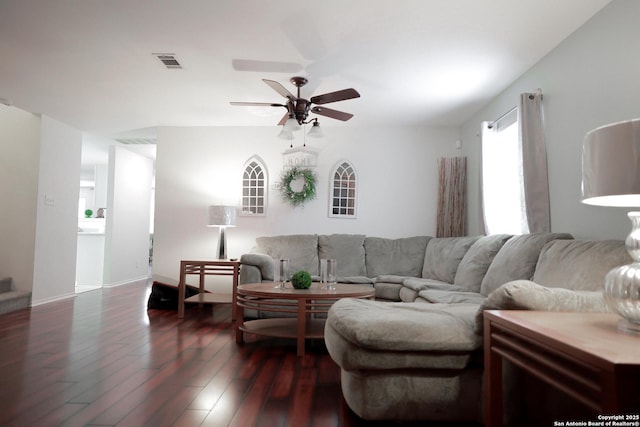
(611, 177)
(222, 217)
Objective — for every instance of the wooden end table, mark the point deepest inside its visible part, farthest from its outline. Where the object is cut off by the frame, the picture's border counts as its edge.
(208, 268)
(303, 303)
(581, 354)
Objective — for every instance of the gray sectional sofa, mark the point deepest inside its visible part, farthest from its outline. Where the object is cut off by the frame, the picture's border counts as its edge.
(416, 352)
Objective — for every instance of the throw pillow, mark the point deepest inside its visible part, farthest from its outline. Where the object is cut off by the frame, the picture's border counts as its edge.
(443, 255)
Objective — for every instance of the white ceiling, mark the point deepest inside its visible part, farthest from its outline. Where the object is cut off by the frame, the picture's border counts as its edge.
(89, 63)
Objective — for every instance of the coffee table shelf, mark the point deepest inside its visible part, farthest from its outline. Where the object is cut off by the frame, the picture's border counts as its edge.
(284, 328)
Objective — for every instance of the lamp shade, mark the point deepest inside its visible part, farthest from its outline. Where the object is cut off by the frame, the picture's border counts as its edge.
(315, 131)
(222, 216)
(285, 134)
(292, 124)
(611, 165)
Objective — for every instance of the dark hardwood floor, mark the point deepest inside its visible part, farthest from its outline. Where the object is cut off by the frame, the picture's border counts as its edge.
(103, 359)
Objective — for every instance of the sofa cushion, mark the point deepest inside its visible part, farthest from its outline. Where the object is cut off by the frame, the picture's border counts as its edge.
(301, 249)
(419, 284)
(403, 257)
(387, 291)
(451, 297)
(476, 261)
(443, 255)
(347, 249)
(377, 325)
(579, 264)
(517, 259)
(390, 278)
(528, 295)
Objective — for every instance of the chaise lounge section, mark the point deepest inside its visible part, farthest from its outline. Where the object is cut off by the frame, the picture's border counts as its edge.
(422, 360)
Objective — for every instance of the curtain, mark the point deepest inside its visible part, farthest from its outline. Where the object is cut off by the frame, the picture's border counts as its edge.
(534, 162)
(452, 189)
(514, 186)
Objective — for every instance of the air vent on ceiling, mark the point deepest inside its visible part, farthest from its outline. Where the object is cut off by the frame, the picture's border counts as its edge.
(136, 141)
(168, 59)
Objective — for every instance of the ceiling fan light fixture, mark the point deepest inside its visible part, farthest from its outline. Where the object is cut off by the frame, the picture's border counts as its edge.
(316, 130)
(285, 134)
(292, 124)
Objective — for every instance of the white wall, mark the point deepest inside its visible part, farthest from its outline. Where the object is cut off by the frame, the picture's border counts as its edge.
(19, 162)
(127, 218)
(197, 167)
(57, 220)
(590, 79)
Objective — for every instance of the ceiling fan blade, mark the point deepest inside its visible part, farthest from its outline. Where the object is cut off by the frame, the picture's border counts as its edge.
(279, 88)
(340, 95)
(265, 66)
(257, 104)
(334, 114)
(283, 119)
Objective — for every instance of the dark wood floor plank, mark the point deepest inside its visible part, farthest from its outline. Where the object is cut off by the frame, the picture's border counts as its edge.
(153, 393)
(249, 409)
(191, 418)
(302, 397)
(29, 408)
(108, 399)
(212, 392)
(161, 411)
(227, 405)
(57, 417)
(284, 381)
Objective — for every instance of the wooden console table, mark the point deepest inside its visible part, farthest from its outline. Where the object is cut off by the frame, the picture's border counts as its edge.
(203, 269)
(581, 354)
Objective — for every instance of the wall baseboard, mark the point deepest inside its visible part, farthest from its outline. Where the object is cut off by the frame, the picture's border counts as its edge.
(126, 282)
(52, 299)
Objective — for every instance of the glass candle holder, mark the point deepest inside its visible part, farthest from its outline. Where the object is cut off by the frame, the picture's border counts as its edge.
(332, 274)
(282, 272)
(323, 273)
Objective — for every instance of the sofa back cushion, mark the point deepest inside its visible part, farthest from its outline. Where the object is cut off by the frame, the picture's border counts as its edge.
(347, 249)
(301, 249)
(517, 259)
(476, 261)
(443, 255)
(579, 264)
(400, 257)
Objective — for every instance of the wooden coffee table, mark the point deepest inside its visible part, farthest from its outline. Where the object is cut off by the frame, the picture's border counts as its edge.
(300, 303)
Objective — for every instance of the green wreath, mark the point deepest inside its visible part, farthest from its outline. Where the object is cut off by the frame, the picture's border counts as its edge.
(308, 191)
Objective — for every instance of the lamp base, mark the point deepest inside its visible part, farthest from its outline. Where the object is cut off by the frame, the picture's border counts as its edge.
(622, 284)
(222, 244)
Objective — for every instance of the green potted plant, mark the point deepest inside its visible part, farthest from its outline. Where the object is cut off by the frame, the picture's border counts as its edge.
(301, 280)
(88, 213)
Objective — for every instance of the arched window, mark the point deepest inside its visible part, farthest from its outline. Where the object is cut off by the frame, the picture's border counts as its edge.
(343, 191)
(254, 188)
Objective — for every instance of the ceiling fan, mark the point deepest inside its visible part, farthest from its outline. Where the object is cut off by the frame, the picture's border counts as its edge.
(299, 108)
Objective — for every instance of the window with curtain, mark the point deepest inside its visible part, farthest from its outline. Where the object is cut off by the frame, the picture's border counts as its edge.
(343, 191)
(515, 187)
(254, 184)
(502, 179)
